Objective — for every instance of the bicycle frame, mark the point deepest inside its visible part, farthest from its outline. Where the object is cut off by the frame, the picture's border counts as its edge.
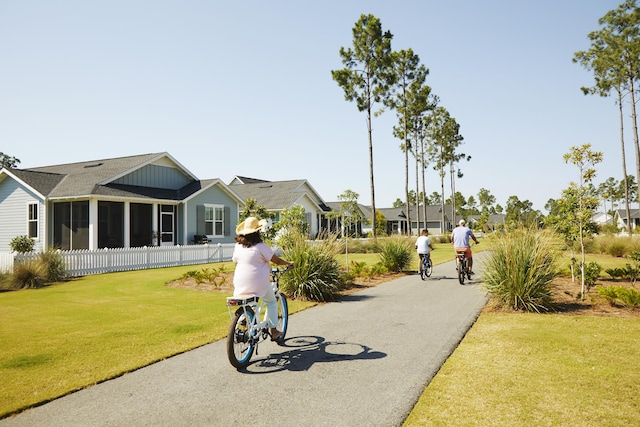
(462, 266)
(246, 330)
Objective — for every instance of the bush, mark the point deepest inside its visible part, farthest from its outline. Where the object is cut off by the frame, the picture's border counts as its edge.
(213, 275)
(317, 274)
(519, 270)
(591, 274)
(22, 244)
(628, 297)
(396, 253)
(27, 275)
(52, 266)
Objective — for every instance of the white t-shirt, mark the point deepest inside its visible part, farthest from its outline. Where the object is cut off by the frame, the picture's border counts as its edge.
(252, 269)
(422, 244)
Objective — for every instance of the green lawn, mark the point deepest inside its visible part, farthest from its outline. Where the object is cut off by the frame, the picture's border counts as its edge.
(67, 336)
(511, 369)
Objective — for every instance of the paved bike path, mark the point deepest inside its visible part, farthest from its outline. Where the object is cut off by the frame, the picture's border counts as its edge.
(363, 361)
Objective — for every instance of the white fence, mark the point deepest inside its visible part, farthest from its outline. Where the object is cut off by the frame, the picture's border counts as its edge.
(84, 262)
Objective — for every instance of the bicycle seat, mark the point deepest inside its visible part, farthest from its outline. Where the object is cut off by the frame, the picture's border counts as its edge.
(242, 300)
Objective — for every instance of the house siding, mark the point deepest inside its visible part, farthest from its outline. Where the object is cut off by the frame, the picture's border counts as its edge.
(155, 176)
(14, 200)
(215, 196)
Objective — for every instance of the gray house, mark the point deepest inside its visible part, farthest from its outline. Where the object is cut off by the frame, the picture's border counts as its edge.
(142, 200)
(278, 195)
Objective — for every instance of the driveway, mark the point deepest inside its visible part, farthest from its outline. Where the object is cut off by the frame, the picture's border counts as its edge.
(363, 361)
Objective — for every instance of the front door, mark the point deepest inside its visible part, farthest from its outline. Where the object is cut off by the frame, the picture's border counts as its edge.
(167, 225)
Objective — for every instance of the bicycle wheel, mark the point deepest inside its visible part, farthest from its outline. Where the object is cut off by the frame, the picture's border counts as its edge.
(283, 314)
(429, 268)
(240, 345)
(462, 269)
(423, 269)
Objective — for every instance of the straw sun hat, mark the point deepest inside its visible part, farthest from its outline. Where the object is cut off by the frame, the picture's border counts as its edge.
(250, 225)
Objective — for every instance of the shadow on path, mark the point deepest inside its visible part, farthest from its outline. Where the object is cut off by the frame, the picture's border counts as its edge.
(305, 351)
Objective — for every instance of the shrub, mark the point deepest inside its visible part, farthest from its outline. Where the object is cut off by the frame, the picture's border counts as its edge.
(27, 275)
(616, 273)
(214, 275)
(317, 273)
(396, 253)
(22, 244)
(591, 274)
(519, 270)
(52, 265)
(628, 297)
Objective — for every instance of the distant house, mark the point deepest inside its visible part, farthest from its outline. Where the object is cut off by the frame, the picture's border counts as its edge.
(275, 196)
(622, 221)
(148, 199)
(397, 219)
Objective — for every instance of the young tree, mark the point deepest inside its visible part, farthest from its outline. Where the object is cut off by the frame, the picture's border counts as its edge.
(366, 78)
(585, 159)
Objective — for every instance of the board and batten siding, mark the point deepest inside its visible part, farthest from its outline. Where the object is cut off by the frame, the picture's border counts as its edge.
(14, 214)
(212, 196)
(155, 176)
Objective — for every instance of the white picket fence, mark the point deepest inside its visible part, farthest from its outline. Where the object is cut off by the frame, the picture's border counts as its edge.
(84, 262)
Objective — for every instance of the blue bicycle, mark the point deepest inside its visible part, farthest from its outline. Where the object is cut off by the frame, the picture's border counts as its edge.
(426, 267)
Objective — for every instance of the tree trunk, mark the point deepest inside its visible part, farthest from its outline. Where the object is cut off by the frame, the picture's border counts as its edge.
(634, 121)
(624, 166)
(373, 191)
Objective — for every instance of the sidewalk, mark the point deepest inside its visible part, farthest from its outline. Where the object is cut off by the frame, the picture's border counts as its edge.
(363, 361)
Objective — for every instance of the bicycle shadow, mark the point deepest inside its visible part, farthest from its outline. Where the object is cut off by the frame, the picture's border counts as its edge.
(305, 351)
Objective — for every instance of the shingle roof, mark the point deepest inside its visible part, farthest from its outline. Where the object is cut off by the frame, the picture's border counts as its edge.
(42, 182)
(82, 178)
(275, 195)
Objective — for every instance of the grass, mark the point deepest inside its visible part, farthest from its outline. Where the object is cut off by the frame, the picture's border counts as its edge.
(510, 369)
(537, 369)
(68, 336)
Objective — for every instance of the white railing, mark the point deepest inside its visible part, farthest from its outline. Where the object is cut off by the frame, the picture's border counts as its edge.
(84, 262)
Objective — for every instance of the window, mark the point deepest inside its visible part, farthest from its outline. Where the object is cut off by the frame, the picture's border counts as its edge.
(214, 220)
(33, 220)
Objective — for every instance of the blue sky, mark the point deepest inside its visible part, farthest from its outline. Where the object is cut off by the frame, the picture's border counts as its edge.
(244, 88)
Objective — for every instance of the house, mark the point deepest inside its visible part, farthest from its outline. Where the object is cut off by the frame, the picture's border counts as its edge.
(334, 224)
(621, 215)
(278, 195)
(397, 219)
(133, 201)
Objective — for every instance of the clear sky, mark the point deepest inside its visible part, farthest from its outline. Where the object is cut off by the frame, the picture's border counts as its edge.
(244, 88)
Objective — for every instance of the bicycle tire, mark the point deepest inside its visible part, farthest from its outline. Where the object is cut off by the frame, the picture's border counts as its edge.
(283, 314)
(240, 345)
(462, 268)
(429, 269)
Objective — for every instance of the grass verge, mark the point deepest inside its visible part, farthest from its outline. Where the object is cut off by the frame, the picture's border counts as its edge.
(537, 369)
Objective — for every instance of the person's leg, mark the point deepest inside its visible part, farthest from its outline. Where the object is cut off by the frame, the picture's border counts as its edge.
(272, 311)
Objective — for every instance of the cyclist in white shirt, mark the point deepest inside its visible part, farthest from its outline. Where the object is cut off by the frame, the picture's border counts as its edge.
(423, 247)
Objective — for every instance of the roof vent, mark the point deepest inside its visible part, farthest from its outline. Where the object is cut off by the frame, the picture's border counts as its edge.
(93, 165)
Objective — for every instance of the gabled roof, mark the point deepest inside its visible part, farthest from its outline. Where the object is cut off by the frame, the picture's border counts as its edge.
(96, 177)
(42, 182)
(276, 195)
(239, 180)
(634, 213)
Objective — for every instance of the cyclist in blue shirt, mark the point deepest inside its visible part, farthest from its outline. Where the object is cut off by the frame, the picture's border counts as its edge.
(460, 237)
